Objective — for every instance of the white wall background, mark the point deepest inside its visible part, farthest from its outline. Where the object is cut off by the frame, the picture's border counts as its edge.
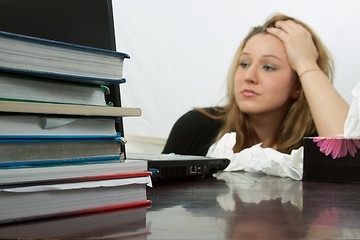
(181, 49)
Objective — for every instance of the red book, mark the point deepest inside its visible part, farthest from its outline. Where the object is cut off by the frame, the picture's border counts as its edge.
(73, 196)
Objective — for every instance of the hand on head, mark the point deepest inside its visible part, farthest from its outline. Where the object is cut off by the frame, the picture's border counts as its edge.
(299, 45)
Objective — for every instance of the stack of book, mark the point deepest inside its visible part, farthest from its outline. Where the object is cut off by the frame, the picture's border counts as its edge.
(60, 151)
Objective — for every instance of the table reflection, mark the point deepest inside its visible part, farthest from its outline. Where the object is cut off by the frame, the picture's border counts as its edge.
(264, 207)
(238, 205)
(332, 210)
(127, 223)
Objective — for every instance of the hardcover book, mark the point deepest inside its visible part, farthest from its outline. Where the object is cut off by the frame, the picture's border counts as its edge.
(17, 150)
(59, 60)
(58, 200)
(71, 172)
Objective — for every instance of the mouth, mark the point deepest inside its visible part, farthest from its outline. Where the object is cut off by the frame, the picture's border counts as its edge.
(249, 93)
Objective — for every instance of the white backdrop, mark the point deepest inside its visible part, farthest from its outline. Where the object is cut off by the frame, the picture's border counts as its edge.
(181, 49)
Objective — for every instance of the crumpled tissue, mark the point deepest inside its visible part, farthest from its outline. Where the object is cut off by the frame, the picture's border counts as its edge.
(272, 162)
(258, 159)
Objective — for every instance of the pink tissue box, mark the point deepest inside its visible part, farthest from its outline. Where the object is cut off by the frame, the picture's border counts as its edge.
(332, 159)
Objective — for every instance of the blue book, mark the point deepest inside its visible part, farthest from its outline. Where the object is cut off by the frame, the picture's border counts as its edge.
(64, 61)
(58, 147)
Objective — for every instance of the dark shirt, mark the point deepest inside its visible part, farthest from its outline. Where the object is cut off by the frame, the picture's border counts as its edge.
(192, 134)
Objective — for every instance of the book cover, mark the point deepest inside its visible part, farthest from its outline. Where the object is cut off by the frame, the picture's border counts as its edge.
(67, 109)
(64, 61)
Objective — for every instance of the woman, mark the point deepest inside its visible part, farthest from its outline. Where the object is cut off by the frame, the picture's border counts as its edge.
(279, 91)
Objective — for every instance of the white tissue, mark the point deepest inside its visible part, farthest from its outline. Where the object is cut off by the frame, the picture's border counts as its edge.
(272, 162)
(352, 122)
(258, 159)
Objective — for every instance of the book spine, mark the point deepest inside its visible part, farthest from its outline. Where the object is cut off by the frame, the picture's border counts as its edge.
(58, 162)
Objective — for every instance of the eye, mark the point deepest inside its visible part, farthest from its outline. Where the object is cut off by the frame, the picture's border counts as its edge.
(269, 68)
(244, 64)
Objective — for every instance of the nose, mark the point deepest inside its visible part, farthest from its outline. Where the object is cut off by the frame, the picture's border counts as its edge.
(250, 75)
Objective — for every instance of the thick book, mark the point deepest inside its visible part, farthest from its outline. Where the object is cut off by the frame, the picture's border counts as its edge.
(67, 109)
(15, 149)
(27, 88)
(70, 171)
(58, 200)
(128, 223)
(54, 59)
(34, 125)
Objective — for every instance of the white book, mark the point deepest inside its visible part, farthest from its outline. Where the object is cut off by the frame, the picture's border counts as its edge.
(28, 125)
(22, 87)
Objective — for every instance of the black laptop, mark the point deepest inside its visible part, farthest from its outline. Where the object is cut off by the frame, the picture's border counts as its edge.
(174, 166)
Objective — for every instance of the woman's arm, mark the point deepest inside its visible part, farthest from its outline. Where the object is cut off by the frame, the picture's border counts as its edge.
(328, 108)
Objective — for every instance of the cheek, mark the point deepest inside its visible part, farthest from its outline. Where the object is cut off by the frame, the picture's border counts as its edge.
(281, 87)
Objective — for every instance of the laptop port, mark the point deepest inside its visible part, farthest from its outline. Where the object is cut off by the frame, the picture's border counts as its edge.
(193, 169)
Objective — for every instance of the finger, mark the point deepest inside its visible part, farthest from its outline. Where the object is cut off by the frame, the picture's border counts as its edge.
(277, 32)
(280, 25)
(290, 27)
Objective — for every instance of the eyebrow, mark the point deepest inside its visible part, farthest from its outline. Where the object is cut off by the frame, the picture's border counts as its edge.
(266, 55)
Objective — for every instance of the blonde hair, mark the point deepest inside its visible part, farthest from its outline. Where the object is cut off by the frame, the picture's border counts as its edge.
(298, 121)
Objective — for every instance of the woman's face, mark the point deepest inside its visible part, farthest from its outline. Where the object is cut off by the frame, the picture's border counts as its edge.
(264, 82)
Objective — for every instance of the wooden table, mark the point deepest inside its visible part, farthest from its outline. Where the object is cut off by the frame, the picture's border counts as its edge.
(232, 205)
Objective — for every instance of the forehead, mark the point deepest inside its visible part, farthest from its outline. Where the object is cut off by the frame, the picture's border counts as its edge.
(265, 44)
